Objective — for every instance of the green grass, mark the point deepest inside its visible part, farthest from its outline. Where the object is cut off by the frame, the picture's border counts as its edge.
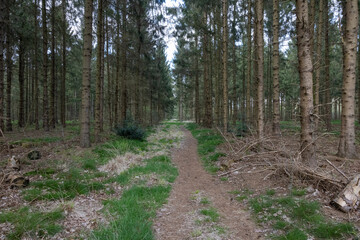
(208, 140)
(296, 218)
(68, 186)
(160, 165)
(211, 214)
(242, 195)
(204, 201)
(36, 225)
(133, 213)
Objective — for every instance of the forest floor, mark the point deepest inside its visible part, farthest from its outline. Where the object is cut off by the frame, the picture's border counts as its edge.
(226, 187)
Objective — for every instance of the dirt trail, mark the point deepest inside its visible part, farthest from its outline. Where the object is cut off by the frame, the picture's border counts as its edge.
(174, 219)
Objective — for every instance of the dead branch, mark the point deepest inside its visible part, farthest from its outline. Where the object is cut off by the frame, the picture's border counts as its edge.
(234, 170)
(337, 169)
(232, 149)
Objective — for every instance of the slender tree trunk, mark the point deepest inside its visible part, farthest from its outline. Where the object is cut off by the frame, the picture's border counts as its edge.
(52, 111)
(207, 82)
(328, 105)
(224, 63)
(21, 120)
(234, 68)
(86, 76)
(260, 67)
(276, 66)
(63, 82)
(248, 68)
(45, 60)
(2, 67)
(36, 66)
(9, 67)
(110, 85)
(98, 71)
(197, 84)
(318, 64)
(124, 97)
(306, 84)
(347, 147)
(137, 113)
(117, 74)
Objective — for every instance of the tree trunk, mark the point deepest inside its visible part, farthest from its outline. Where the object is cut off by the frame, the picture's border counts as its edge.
(62, 90)
(45, 60)
(207, 82)
(234, 68)
(36, 66)
(328, 105)
(86, 76)
(318, 64)
(2, 67)
(306, 83)
(124, 97)
(9, 67)
(276, 66)
(347, 146)
(224, 63)
(260, 67)
(197, 84)
(98, 71)
(248, 68)
(21, 120)
(52, 111)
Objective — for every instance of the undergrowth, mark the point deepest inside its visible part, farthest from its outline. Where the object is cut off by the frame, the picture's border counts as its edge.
(34, 224)
(293, 217)
(208, 140)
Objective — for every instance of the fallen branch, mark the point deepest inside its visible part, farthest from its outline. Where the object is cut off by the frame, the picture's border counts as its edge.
(337, 169)
(232, 149)
(234, 170)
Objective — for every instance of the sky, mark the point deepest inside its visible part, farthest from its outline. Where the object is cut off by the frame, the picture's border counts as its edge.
(169, 39)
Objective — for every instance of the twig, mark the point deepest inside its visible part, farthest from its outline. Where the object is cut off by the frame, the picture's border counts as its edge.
(234, 170)
(337, 169)
(226, 139)
(257, 154)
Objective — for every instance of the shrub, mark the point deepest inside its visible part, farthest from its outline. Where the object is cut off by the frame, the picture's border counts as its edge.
(130, 130)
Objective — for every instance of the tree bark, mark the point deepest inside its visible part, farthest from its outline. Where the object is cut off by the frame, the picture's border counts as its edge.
(260, 67)
(52, 111)
(318, 64)
(276, 66)
(207, 82)
(86, 76)
(347, 147)
(9, 67)
(45, 60)
(248, 68)
(63, 82)
(98, 71)
(21, 120)
(197, 85)
(2, 67)
(328, 104)
(303, 26)
(124, 97)
(224, 63)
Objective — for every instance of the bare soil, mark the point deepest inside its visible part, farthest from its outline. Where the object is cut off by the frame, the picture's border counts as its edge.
(175, 218)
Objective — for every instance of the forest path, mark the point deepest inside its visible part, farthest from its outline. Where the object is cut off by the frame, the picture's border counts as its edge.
(181, 219)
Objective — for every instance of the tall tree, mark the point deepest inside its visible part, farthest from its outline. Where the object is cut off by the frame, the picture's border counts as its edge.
(52, 110)
(2, 67)
(260, 66)
(207, 82)
(224, 63)
(9, 66)
(318, 62)
(197, 84)
(86, 76)
(303, 26)
(328, 104)
(45, 60)
(99, 59)
(36, 68)
(276, 66)
(248, 67)
(63, 80)
(21, 119)
(124, 95)
(347, 147)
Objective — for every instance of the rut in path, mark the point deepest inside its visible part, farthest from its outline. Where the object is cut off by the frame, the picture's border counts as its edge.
(173, 221)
